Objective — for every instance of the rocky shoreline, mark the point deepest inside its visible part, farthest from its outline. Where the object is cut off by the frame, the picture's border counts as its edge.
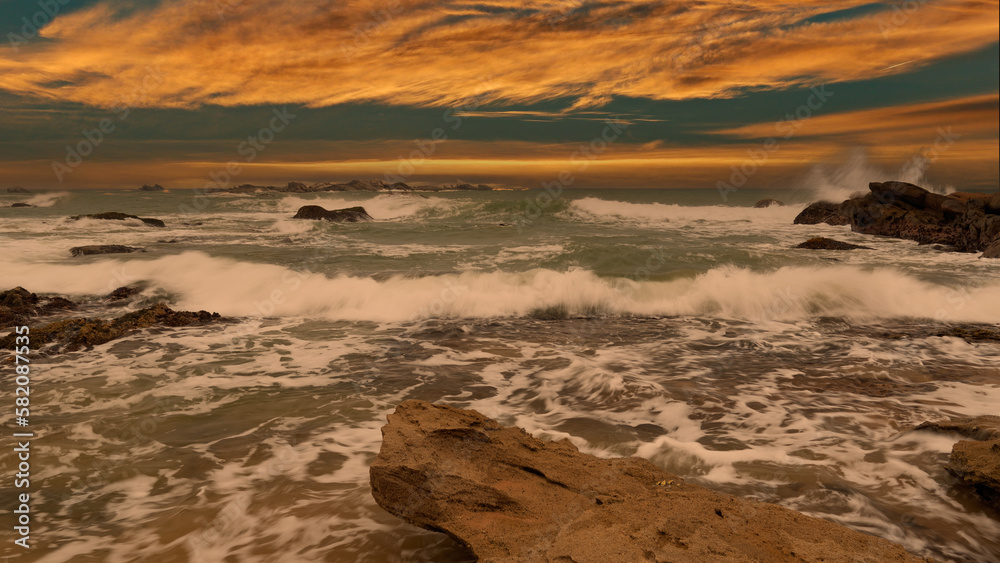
(509, 497)
(63, 333)
(961, 222)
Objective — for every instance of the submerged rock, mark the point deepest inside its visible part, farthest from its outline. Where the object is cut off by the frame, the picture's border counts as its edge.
(821, 212)
(73, 334)
(510, 497)
(116, 216)
(21, 204)
(985, 427)
(123, 292)
(103, 249)
(822, 243)
(349, 215)
(768, 203)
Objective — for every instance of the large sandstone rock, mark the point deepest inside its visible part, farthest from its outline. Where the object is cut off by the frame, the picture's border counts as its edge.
(975, 461)
(821, 212)
(978, 464)
(116, 216)
(901, 210)
(822, 243)
(349, 215)
(510, 497)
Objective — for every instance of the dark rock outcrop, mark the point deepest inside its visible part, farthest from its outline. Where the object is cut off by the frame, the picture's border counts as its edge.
(153, 188)
(349, 215)
(116, 216)
(992, 251)
(103, 249)
(768, 203)
(821, 243)
(821, 212)
(906, 211)
(21, 204)
(18, 306)
(510, 497)
(18, 190)
(73, 334)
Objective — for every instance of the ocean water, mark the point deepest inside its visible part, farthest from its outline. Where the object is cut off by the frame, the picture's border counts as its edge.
(679, 326)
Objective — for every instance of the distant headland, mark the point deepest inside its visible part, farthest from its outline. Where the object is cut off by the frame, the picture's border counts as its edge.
(353, 186)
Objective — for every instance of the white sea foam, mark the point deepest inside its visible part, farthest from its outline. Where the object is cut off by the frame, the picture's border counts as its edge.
(236, 288)
(47, 199)
(839, 182)
(593, 208)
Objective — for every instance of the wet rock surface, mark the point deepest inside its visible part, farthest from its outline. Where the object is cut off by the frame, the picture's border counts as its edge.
(975, 461)
(822, 243)
(75, 333)
(116, 216)
(821, 212)
(103, 249)
(349, 215)
(510, 497)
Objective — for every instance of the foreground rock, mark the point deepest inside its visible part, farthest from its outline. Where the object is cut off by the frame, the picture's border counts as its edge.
(21, 204)
(768, 203)
(153, 188)
(73, 334)
(821, 212)
(821, 243)
(978, 465)
(512, 498)
(103, 249)
(116, 216)
(906, 211)
(975, 461)
(349, 215)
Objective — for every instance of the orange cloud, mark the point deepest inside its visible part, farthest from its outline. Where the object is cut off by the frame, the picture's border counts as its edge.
(187, 53)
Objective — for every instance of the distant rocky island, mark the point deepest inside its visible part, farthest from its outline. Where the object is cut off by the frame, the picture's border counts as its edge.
(353, 186)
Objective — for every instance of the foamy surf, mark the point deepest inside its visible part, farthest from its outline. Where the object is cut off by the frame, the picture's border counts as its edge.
(195, 280)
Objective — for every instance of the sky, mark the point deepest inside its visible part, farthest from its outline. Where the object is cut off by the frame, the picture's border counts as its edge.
(571, 93)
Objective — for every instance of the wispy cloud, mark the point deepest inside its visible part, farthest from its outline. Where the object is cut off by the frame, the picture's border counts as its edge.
(974, 117)
(438, 52)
